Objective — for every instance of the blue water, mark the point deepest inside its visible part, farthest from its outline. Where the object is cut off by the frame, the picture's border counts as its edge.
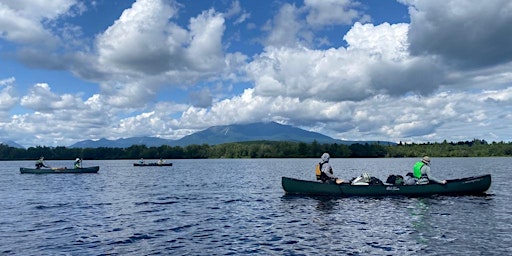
(237, 207)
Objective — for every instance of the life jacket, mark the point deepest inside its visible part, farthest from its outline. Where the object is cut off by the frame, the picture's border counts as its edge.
(318, 171)
(417, 169)
(319, 174)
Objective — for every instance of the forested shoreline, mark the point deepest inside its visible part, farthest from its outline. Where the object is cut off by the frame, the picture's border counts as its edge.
(265, 149)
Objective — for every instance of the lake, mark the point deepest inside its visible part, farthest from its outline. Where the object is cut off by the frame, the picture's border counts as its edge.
(238, 207)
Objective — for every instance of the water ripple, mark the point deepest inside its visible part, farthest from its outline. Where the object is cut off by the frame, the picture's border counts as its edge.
(211, 211)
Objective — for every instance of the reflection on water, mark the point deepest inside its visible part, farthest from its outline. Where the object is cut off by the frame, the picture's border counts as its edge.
(325, 204)
(420, 215)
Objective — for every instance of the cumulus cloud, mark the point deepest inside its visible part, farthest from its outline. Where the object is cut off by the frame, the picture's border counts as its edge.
(59, 119)
(143, 42)
(464, 34)
(296, 25)
(24, 21)
(444, 76)
(137, 41)
(250, 107)
(376, 61)
(417, 118)
(205, 49)
(143, 51)
(8, 95)
(285, 28)
(41, 99)
(330, 12)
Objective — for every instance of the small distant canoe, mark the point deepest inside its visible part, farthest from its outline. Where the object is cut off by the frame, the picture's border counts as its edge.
(92, 169)
(152, 164)
(465, 186)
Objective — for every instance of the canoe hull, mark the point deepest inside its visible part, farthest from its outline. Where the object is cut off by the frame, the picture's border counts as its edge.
(152, 164)
(465, 186)
(92, 169)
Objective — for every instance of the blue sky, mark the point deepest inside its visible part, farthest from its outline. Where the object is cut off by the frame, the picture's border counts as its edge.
(407, 70)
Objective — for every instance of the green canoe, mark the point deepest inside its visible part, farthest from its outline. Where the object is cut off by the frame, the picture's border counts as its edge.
(465, 186)
(152, 164)
(92, 169)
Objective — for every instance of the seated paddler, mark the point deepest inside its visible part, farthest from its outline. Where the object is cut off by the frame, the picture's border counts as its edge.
(78, 163)
(422, 173)
(324, 171)
(40, 163)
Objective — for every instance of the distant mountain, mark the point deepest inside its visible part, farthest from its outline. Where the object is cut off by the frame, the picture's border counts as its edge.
(12, 144)
(253, 132)
(214, 135)
(122, 143)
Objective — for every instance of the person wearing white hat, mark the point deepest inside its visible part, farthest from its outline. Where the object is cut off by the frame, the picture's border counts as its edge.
(421, 171)
(78, 163)
(324, 170)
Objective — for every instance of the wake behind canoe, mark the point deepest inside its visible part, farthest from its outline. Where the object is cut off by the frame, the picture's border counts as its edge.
(92, 169)
(464, 186)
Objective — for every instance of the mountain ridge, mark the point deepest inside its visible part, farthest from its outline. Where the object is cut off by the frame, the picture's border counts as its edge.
(261, 131)
(12, 144)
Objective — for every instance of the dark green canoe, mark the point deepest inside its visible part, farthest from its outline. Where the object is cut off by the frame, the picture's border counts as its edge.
(152, 164)
(465, 186)
(92, 169)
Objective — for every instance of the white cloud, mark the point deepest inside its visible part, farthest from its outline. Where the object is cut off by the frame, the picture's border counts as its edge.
(23, 21)
(142, 51)
(59, 119)
(205, 49)
(8, 95)
(368, 66)
(41, 99)
(465, 34)
(285, 28)
(137, 41)
(329, 12)
(40, 9)
(389, 82)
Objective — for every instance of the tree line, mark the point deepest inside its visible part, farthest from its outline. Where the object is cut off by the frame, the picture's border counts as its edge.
(265, 149)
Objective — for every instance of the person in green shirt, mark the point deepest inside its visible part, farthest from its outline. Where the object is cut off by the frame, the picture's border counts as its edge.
(423, 174)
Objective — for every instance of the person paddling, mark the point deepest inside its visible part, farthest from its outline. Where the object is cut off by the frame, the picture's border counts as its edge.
(40, 163)
(423, 174)
(78, 163)
(324, 171)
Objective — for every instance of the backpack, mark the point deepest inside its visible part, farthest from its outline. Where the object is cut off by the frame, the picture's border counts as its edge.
(399, 180)
(395, 179)
(375, 181)
(391, 179)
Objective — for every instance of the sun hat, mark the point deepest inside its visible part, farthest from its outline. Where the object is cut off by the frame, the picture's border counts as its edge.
(426, 159)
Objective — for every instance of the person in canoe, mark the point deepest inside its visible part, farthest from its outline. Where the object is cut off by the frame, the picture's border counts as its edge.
(40, 163)
(324, 171)
(160, 162)
(78, 163)
(422, 173)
